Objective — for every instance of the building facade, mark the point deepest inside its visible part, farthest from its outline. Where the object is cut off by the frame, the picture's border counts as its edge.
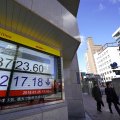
(92, 49)
(116, 82)
(104, 58)
(38, 61)
(116, 35)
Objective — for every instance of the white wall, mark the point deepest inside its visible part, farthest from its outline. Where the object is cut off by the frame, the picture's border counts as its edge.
(104, 59)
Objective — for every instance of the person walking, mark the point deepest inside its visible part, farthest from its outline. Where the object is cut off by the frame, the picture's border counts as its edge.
(111, 97)
(96, 93)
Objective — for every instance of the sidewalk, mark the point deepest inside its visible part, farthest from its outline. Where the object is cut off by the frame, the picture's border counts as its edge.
(90, 108)
(86, 118)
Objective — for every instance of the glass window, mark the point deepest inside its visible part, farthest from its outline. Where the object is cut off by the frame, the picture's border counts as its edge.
(28, 76)
(7, 55)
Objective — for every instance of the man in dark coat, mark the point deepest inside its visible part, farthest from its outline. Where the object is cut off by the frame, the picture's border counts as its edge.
(111, 97)
(96, 93)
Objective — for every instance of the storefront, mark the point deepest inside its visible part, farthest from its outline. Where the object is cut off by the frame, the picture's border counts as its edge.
(39, 73)
(30, 73)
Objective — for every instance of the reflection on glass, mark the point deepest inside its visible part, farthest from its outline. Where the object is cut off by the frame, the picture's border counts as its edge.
(35, 78)
(32, 61)
(7, 53)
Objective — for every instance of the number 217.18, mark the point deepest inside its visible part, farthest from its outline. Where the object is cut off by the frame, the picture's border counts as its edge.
(36, 81)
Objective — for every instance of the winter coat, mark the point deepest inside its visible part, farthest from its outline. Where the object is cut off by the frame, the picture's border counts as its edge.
(96, 93)
(111, 95)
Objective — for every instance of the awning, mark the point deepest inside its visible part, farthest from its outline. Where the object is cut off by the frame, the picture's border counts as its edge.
(18, 19)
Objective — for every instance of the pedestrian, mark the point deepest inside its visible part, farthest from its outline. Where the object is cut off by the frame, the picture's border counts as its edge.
(96, 93)
(111, 97)
(102, 89)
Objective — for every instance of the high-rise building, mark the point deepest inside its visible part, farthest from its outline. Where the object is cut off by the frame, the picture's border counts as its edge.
(116, 36)
(92, 49)
(108, 55)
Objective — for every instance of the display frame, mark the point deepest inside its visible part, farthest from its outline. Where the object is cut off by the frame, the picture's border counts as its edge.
(12, 71)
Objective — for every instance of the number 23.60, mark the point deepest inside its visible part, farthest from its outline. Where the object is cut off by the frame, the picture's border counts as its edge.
(19, 64)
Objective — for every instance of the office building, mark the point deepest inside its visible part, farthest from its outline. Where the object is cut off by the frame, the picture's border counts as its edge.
(108, 55)
(39, 74)
(91, 50)
(116, 35)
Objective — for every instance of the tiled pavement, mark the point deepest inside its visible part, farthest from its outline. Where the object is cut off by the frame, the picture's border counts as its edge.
(90, 108)
(86, 115)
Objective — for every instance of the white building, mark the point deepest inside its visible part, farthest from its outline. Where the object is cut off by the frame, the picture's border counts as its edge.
(116, 34)
(106, 56)
(87, 62)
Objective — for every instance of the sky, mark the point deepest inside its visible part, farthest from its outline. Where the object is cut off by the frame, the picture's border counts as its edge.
(98, 19)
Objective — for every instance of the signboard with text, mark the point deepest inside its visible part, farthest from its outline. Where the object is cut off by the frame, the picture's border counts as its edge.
(25, 73)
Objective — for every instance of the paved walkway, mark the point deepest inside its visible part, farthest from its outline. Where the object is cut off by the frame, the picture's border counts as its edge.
(90, 108)
(87, 117)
